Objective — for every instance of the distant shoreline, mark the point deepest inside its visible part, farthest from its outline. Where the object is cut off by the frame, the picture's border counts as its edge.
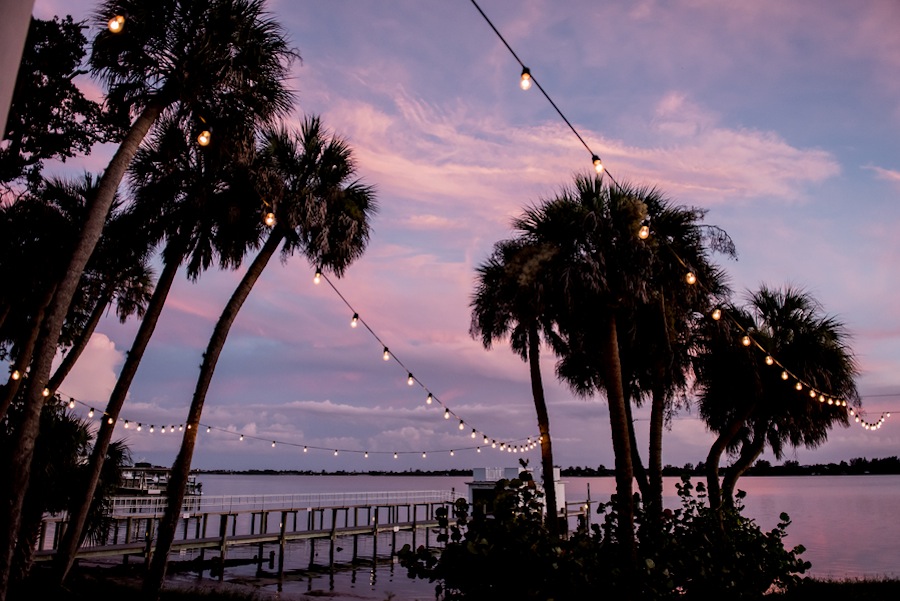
(855, 467)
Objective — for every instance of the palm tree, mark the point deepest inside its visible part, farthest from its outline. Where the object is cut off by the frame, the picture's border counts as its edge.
(511, 300)
(322, 211)
(196, 201)
(201, 60)
(600, 273)
(749, 394)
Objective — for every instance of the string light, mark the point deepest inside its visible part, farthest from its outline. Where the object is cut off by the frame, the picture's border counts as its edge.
(116, 24)
(429, 399)
(717, 314)
(71, 403)
(746, 341)
(387, 355)
(525, 79)
(91, 413)
(45, 392)
(109, 420)
(355, 321)
(644, 232)
(462, 425)
(598, 164)
(204, 137)
(410, 380)
(15, 375)
(690, 278)
(318, 277)
(139, 427)
(446, 414)
(769, 360)
(269, 219)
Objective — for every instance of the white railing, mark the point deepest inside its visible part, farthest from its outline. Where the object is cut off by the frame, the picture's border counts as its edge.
(123, 506)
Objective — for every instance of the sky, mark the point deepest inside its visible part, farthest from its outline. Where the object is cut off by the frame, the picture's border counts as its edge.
(780, 119)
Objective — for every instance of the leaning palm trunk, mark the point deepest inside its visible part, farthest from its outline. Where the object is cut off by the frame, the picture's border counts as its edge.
(25, 354)
(714, 490)
(84, 337)
(543, 417)
(637, 464)
(177, 485)
(654, 494)
(74, 533)
(12, 499)
(749, 454)
(618, 423)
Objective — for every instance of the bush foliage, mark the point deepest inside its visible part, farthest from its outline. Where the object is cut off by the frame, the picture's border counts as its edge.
(692, 552)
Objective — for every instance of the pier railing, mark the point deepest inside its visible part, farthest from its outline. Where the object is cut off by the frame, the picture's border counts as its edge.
(125, 506)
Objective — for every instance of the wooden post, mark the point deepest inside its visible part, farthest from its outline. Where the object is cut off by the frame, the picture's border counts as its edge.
(281, 545)
(223, 534)
(148, 541)
(332, 538)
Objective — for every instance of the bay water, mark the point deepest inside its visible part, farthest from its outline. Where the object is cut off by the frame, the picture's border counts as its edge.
(848, 525)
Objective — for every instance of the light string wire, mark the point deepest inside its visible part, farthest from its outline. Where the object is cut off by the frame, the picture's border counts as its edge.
(602, 169)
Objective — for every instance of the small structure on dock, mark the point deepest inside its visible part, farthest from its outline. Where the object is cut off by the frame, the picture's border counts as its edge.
(146, 479)
(484, 481)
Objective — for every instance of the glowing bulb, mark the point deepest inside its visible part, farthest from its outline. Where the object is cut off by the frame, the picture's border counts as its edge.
(644, 232)
(273, 444)
(410, 380)
(784, 375)
(477, 449)
(717, 314)
(91, 413)
(269, 219)
(126, 424)
(493, 444)
(852, 412)
(305, 450)
(857, 419)
(745, 341)
(355, 321)
(798, 386)
(387, 355)
(462, 425)
(474, 434)
(71, 403)
(151, 428)
(598, 164)
(318, 277)
(366, 454)
(204, 137)
(446, 414)
(502, 445)
(486, 439)
(690, 278)
(887, 414)
(769, 360)
(139, 427)
(45, 392)
(242, 437)
(525, 80)
(429, 399)
(423, 455)
(451, 452)
(116, 24)
(812, 393)
(335, 452)
(208, 429)
(395, 455)
(109, 421)
(831, 401)
(16, 374)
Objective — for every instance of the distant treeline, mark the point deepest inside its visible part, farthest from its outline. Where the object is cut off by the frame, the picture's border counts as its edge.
(857, 466)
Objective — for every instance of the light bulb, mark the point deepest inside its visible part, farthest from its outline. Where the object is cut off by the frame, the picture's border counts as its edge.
(116, 24)
(269, 219)
(690, 278)
(821, 398)
(16, 374)
(45, 392)
(355, 321)
(745, 341)
(493, 444)
(139, 427)
(273, 444)
(242, 437)
(109, 421)
(812, 393)
(395, 455)
(784, 375)
(171, 428)
(477, 449)
(598, 164)
(410, 380)
(91, 413)
(429, 399)
(451, 452)
(474, 434)
(852, 412)
(204, 137)
(335, 452)
(423, 455)
(318, 277)
(387, 354)
(525, 79)
(446, 414)
(644, 232)
(831, 401)
(366, 454)
(305, 450)
(486, 439)
(462, 425)
(769, 360)
(151, 428)
(717, 314)
(71, 403)
(126, 424)
(798, 386)
(208, 429)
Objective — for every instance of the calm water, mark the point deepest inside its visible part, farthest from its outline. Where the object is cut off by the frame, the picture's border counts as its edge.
(848, 524)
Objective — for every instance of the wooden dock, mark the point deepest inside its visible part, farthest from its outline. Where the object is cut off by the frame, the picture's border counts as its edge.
(262, 520)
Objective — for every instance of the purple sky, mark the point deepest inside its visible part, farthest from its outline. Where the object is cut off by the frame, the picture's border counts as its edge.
(781, 119)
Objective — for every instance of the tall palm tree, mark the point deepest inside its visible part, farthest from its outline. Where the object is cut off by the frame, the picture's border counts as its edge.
(323, 212)
(194, 201)
(511, 299)
(600, 272)
(200, 60)
(745, 397)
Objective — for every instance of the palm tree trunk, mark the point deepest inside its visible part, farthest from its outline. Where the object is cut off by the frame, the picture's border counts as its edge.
(654, 501)
(84, 337)
(543, 417)
(721, 443)
(19, 471)
(749, 453)
(618, 423)
(74, 533)
(25, 353)
(178, 477)
(637, 464)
